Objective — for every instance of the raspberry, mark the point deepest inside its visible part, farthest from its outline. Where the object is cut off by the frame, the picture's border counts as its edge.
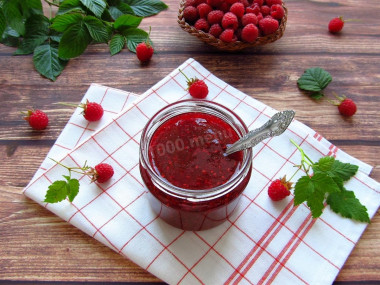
(277, 11)
(231, 1)
(347, 107)
(202, 25)
(144, 52)
(279, 189)
(255, 9)
(259, 2)
(249, 33)
(189, 3)
(203, 10)
(238, 9)
(215, 3)
(268, 26)
(225, 7)
(265, 10)
(230, 21)
(37, 119)
(198, 2)
(273, 2)
(92, 111)
(190, 14)
(336, 25)
(215, 30)
(245, 3)
(197, 88)
(103, 172)
(249, 18)
(228, 36)
(215, 17)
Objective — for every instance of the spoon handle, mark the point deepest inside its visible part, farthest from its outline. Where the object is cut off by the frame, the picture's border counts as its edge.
(273, 127)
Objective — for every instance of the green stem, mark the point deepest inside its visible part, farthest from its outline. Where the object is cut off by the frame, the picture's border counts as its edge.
(68, 104)
(184, 74)
(51, 3)
(70, 169)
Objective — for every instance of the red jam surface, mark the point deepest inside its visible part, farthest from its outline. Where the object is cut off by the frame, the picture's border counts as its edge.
(188, 151)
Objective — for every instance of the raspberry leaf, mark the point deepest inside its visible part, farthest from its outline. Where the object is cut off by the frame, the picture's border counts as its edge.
(127, 21)
(57, 192)
(116, 44)
(146, 8)
(47, 62)
(135, 36)
(70, 6)
(99, 32)
(74, 41)
(72, 187)
(63, 22)
(314, 79)
(120, 9)
(3, 23)
(95, 6)
(347, 205)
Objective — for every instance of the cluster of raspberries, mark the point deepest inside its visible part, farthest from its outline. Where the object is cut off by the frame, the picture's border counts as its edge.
(234, 20)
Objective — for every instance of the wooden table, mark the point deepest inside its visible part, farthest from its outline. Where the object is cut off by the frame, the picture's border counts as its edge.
(36, 245)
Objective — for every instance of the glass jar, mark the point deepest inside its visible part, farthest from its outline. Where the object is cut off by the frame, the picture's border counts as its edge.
(174, 192)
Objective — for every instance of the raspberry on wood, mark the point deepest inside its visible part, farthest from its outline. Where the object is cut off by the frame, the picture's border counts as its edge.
(37, 119)
(336, 25)
(144, 52)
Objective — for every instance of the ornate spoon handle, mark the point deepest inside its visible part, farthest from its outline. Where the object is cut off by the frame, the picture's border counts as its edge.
(273, 127)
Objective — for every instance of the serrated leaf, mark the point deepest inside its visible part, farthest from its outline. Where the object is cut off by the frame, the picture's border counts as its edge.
(313, 190)
(31, 7)
(146, 8)
(95, 6)
(325, 163)
(47, 62)
(57, 192)
(135, 36)
(116, 44)
(344, 170)
(127, 21)
(347, 205)
(98, 31)
(74, 41)
(36, 33)
(119, 10)
(62, 22)
(72, 189)
(314, 79)
(70, 6)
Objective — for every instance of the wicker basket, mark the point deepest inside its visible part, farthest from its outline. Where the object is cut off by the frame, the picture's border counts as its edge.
(234, 46)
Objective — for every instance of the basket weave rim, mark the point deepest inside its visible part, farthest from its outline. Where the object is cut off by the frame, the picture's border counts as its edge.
(233, 46)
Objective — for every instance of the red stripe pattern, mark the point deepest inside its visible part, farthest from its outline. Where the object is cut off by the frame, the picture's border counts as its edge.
(262, 243)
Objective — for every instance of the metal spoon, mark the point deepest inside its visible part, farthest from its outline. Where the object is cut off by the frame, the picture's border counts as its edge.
(273, 127)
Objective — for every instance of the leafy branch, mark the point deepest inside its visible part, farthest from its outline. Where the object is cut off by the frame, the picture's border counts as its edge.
(55, 40)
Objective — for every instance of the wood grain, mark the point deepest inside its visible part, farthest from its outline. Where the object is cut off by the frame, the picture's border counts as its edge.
(35, 245)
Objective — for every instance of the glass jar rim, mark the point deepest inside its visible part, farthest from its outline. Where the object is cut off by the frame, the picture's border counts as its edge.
(186, 106)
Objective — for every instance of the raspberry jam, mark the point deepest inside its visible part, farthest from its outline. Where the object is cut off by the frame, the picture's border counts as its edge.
(192, 184)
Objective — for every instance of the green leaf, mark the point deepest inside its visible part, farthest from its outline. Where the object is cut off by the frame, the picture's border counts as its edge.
(98, 31)
(119, 10)
(10, 37)
(74, 41)
(31, 7)
(325, 163)
(347, 205)
(47, 62)
(62, 22)
(36, 33)
(146, 8)
(127, 21)
(314, 79)
(134, 37)
(72, 189)
(313, 190)
(95, 6)
(57, 192)
(344, 170)
(3, 23)
(116, 44)
(68, 6)
(13, 15)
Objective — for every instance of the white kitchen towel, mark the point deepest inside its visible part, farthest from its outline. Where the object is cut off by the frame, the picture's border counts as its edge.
(263, 242)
